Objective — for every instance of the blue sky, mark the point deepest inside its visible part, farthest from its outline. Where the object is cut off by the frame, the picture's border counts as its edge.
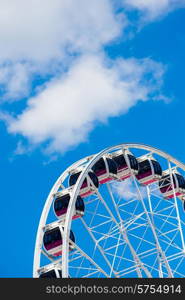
(122, 76)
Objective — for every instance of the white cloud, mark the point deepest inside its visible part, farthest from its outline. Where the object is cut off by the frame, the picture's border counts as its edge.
(152, 9)
(44, 30)
(15, 80)
(47, 38)
(127, 190)
(21, 149)
(39, 36)
(94, 89)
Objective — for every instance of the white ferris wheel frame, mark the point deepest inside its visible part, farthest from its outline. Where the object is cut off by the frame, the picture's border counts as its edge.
(90, 161)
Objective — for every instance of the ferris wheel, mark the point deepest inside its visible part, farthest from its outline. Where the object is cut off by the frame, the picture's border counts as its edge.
(119, 213)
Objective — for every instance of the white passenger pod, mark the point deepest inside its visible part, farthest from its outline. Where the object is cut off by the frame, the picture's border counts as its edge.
(125, 166)
(105, 169)
(89, 185)
(61, 202)
(149, 170)
(173, 185)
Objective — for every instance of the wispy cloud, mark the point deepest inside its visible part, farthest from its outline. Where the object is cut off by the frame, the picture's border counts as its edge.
(65, 41)
(127, 190)
(152, 9)
(45, 30)
(94, 89)
(42, 38)
(15, 81)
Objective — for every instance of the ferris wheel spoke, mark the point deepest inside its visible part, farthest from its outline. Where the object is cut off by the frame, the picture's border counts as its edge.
(47, 255)
(121, 258)
(137, 225)
(125, 237)
(162, 216)
(98, 246)
(105, 236)
(170, 241)
(150, 222)
(90, 274)
(115, 256)
(101, 224)
(166, 222)
(133, 220)
(176, 206)
(167, 232)
(176, 255)
(159, 269)
(115, 246)
(94, 214)
(111, 230)
(146, 254)
(171, 205)
(161, 257)
(167, 219)
(178, 265)
(179, 275)
(129, 270)
(143, 239)
(89, 259)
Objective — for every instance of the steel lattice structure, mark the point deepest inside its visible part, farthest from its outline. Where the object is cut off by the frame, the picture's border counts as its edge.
(128, 229)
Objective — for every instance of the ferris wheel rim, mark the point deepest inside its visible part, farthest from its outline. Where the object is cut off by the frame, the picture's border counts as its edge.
(90, 160)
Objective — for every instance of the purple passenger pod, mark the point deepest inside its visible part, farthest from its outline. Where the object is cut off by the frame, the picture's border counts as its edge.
(125, 171)
(89, 185)
(105, 169)
(61, 203)
(52, 241)
(175, 187)
(51, 273)
(149, 170)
